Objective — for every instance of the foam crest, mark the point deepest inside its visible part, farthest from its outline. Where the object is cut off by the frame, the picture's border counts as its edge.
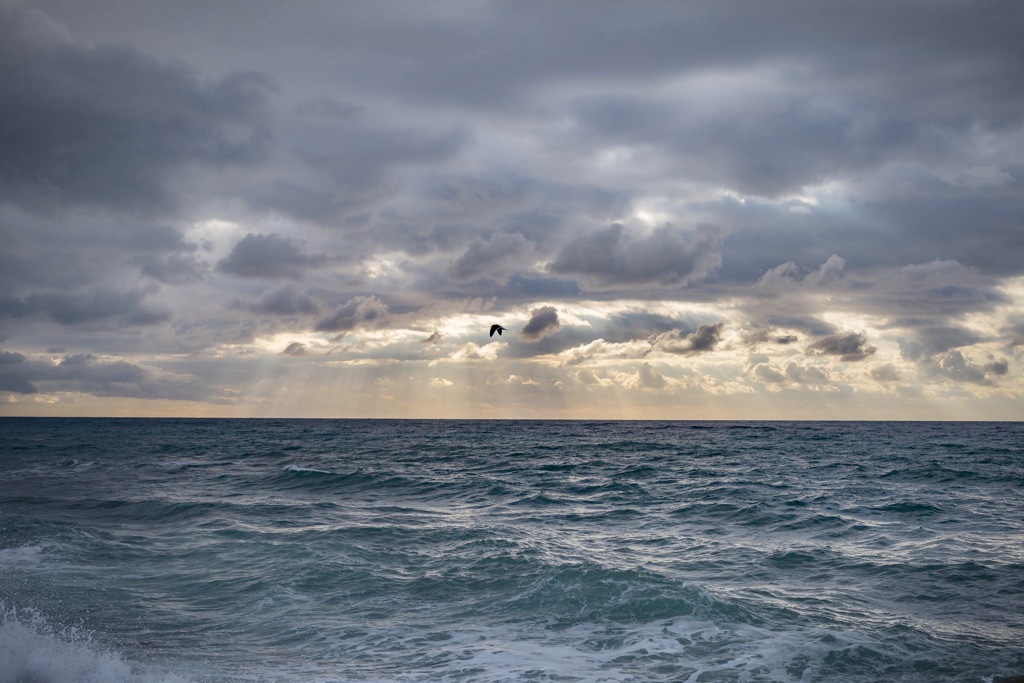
(681, 649)
(299, 469)
(33, 650)
(20, 556)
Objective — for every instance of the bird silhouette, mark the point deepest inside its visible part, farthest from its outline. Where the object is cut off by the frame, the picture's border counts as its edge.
(496, 328)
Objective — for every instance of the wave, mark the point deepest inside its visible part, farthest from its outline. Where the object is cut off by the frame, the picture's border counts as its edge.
(34, 651)
(21, 556)
(909, 507)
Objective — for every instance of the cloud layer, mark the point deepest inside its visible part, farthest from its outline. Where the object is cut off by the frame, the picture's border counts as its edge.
(677, 210)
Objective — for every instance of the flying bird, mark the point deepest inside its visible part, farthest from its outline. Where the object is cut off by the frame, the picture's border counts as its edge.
(496, 328)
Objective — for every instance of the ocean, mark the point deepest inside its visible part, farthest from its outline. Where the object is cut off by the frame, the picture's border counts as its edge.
(216, 551)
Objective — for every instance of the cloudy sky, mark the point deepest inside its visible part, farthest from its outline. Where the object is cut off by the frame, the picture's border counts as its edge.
(687, 209)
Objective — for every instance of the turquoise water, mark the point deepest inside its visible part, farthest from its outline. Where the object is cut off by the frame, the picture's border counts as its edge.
(361, 550)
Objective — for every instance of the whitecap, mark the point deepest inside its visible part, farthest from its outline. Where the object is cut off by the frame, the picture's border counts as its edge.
(304, 470)
(20, 556)
(33, 650)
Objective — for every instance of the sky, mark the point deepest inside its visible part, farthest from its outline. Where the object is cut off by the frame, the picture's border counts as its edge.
(679, 210)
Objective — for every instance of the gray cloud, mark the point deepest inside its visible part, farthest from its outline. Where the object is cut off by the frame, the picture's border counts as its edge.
(85, 373)
(341, 165)
(956, 367)
(789, 274)
(543, 322)
(483, 255)
(296, 349)
(86, 308)
(808, 375)
(931, 340)
(110, 126)
(862, 161)
(768, 336)
(11, 377)
(268, 256)
(792, 374)
(997, 367)
(367, 312)
(764, 372)
(174, 269)
(286, 300)
(666, 256)
(852, 346)
(650, 378)
(704, 339)
(885, 373)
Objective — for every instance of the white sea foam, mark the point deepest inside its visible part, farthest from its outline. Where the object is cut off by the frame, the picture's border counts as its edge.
(300, 469)
(33, 650)
(679, 649)
(20, 556)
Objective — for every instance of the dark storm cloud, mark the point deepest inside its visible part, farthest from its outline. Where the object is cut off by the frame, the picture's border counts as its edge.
(543, 322)
(85, 373)
(938, 218)
(482, 256)
(495, 55)
(633, 325)
(286, 300)
(703, 339)
(367, 312)
(1013, 332)
(477, 219)
(91, 307)
(852, 346)
(296, 349)
(12, 379)
(345, 163)
(998, 367)
(109, 125)
(933, 294)
(268, 256)
(929, 340)
(785, 146)
(82, 249)
(873, 90)
(306, 203)
(768, 336)
(863, 161)
(363, 157)
(174, 269)
(530, 287)
(328, 108)
(666, 256)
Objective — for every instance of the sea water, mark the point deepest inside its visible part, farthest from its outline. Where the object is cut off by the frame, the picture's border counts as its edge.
(370, 550)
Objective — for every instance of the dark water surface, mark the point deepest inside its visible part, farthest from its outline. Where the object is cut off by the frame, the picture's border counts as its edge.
(376, 550)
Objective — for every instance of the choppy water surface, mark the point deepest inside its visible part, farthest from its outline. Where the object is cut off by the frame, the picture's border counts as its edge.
(318, 550)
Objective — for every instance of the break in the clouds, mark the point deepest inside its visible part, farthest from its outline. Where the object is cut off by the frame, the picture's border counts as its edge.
(696, 209)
